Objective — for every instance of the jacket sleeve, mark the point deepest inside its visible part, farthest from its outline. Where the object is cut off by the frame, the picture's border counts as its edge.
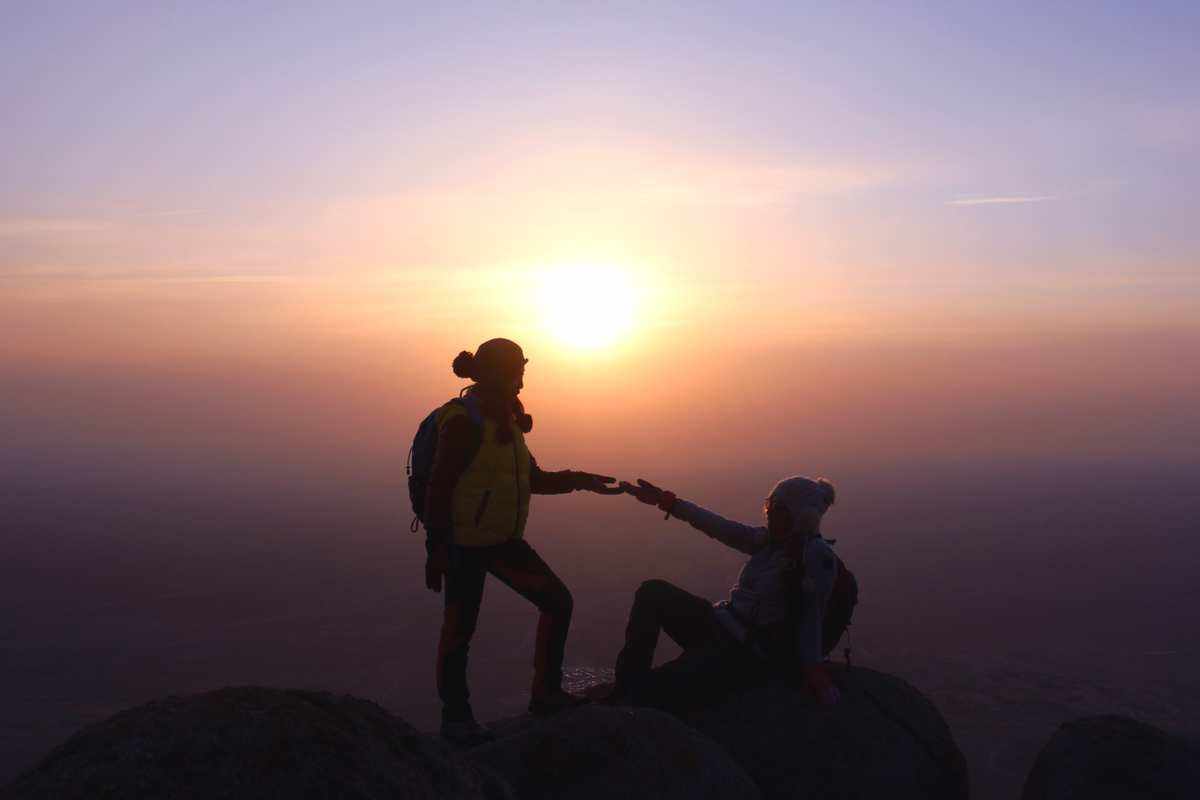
(820, 569)
(744, 538)
(543, 482)
(457, 439)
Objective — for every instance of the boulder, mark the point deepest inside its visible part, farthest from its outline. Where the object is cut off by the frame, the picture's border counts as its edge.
(1113, 758)
(600, 753)
(254, 742)
(882, 739)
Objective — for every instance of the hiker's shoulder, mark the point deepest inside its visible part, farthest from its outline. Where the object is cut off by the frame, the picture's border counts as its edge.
(821, 543)
(822, 547)
(453, 413)
(821, 558)
(819, 550)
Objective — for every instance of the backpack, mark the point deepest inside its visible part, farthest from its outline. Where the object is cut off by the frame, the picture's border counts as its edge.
(835, 623)
(840, 608)
(419, 466)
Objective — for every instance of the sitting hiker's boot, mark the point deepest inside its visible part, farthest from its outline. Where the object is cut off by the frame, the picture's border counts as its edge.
(616, 696)
(546, 703)
(461, 730)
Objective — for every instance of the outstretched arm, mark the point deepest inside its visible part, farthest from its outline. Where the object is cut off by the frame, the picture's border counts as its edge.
(744, 538)
(567, 480)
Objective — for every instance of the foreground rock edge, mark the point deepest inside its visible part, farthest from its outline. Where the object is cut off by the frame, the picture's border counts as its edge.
(254, 741)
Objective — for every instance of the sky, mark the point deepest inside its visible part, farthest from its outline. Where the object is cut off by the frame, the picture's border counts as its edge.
(316, 208)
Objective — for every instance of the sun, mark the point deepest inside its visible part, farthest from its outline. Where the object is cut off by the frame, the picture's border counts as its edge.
(587, 306)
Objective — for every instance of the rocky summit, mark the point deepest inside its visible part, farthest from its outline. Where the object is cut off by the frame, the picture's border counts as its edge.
(253, 742)
(1114, 758)
(883, 739)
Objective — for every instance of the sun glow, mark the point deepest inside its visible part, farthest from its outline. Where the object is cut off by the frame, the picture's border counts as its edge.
(587, 306)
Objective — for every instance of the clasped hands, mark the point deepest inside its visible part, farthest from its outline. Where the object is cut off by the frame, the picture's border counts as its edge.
(644, 490)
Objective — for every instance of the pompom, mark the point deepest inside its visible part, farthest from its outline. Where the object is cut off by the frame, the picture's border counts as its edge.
(464, 365)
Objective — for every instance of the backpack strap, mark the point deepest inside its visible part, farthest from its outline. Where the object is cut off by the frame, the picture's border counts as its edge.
(470, 408)
(471, 405)
(474, 411)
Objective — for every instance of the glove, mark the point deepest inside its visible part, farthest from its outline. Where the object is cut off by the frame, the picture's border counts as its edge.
(645, 491)
(436, 564)
(591, 482)
(651, 495)
(818, 682)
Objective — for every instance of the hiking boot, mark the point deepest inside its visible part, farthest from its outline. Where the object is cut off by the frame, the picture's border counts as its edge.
(615, 696)
(552, 702)
(465, 732)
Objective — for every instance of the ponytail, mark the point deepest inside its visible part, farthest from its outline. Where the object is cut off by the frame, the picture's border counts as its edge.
(464, 365)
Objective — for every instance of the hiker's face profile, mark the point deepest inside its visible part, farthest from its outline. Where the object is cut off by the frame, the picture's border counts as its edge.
(513, 386)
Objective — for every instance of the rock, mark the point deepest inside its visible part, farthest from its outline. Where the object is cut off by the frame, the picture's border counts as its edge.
(603, 753)
(882, 739)
(254, 742)
(1113, 758)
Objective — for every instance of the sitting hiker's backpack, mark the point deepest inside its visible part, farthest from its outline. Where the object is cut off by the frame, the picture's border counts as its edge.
(419, 466)
(840, 608)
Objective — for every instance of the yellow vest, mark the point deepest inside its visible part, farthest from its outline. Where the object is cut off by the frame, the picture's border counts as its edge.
(491, 499)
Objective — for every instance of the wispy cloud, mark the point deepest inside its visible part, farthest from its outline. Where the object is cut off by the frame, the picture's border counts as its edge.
(163, 274)
(38, 226)
(715, 183)
(179, 212)
(48, 226)
(1000, 200)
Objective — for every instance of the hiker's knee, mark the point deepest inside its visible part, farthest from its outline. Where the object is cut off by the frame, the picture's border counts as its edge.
(560, 601)
(652, 590)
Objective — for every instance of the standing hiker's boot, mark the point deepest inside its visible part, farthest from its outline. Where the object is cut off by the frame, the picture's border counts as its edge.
(460, 729)
(543, 704)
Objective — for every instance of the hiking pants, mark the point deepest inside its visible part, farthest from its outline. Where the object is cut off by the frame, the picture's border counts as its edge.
(712, 663)
(517, 565)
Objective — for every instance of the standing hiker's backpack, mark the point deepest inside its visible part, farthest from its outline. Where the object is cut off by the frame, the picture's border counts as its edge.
(420, 456)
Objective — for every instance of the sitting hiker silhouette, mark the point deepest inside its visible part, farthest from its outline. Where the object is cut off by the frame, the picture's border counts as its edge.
(475, 508)
(774, 622)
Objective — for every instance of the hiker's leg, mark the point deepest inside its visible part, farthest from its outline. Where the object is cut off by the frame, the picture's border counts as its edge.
(678, 683)
(463, 596)
(659, 605)
(519, 566)
(701, 675)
